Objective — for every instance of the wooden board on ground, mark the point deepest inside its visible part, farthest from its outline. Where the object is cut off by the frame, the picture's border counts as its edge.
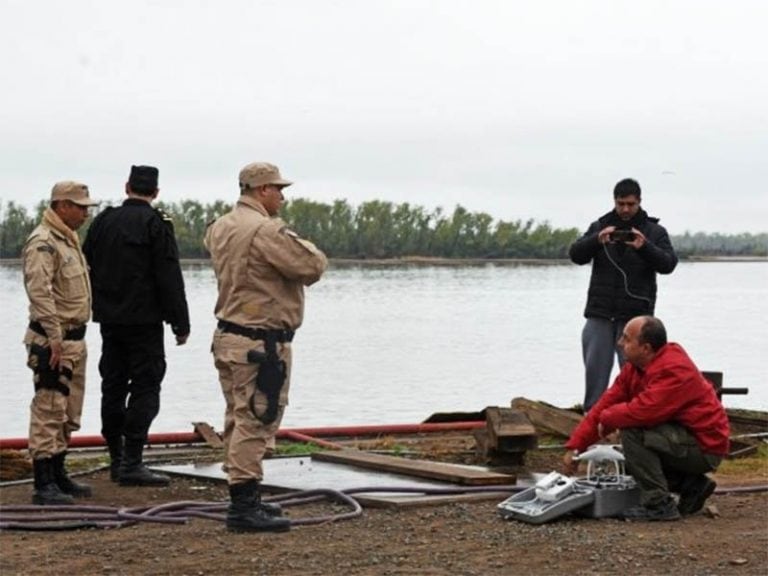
(493, 456)
(422, 468)
(754, 419)
(443, 417)
(208, 434)
(548, 418)
(509, 430)
(413, 501)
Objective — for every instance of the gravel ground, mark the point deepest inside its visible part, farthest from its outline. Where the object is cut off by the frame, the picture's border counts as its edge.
(461, 538)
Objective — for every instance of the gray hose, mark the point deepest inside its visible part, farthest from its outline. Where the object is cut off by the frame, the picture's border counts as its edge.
(54, 518)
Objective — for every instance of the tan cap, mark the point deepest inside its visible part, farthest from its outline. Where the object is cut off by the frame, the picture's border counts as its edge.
(74, 192)
(261, 174)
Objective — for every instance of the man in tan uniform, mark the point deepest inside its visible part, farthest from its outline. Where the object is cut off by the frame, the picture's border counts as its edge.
(261, 267)
(56, 281)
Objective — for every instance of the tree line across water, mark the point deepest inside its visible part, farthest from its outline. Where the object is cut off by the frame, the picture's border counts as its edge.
(377, 230)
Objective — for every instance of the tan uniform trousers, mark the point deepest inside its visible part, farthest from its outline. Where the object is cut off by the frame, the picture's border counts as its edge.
(245, 437)
(54, 416)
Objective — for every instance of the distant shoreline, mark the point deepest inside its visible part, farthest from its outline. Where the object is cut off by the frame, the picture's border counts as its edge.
(429, 261)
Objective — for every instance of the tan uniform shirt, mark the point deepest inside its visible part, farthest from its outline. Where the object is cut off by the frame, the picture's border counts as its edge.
(261, 267)
(56, 277)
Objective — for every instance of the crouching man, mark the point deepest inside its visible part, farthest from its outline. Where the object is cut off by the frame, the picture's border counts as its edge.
(673, 427)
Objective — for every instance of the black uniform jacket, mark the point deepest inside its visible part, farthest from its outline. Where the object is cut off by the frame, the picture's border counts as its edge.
(610, 295)
(134, 268)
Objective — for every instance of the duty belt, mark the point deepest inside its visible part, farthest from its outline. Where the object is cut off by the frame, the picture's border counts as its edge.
(256, 333)
(72, 334)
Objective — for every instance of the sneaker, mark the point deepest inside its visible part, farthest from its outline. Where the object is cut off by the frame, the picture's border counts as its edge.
(693, 495)
(664, 512)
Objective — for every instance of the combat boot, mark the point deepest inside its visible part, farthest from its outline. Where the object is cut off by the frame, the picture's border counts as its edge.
(115, 446)
(64, 482)
(132, 471)
(47, 493)
(694, 494)
(247, 513)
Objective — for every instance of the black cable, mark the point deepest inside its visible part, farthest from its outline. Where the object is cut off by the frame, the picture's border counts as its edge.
(624, 276)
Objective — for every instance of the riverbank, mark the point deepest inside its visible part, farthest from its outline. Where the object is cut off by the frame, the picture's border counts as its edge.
(430, 261)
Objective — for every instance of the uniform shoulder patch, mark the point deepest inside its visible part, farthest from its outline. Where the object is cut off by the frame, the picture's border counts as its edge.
(164, 215)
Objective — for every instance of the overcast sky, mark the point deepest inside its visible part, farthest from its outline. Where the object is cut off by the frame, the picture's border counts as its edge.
(519, 109)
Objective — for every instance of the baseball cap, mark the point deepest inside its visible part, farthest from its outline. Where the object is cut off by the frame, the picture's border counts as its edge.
(261, 174)
(74, 192)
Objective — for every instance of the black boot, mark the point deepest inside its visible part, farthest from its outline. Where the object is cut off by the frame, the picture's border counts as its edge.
(271, 508)
(132, 471)
(47, 493)
(64, 482)
(246, 512)
(115, 446)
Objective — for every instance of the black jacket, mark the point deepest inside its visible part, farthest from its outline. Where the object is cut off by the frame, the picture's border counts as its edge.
(608, 296)
(134, 268)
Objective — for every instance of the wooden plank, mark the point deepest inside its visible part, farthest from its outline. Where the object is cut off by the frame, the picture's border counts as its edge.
(413, 501)
(482, 449)
(757, 419)
(442, 417)
(421, 468)
(509, 430)
(209, 435)
(547, 417)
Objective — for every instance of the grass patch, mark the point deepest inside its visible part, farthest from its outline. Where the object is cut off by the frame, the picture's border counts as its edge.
(754, 465)
(297, 449)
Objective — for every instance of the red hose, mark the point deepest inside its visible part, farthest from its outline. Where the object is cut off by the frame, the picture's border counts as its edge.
(328, 431)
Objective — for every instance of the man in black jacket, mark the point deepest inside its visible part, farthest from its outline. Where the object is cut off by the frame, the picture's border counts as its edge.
(627, 248)
(137, 284)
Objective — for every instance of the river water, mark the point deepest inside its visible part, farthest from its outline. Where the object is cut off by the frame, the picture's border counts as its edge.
(396, 343)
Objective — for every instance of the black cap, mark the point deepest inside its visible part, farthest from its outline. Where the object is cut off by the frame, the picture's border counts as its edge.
(143, 178)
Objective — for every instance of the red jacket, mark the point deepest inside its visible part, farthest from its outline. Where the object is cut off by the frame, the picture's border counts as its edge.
(670, 389)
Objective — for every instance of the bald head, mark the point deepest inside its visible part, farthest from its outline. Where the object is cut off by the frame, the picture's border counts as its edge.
(652, 332)
(642, 338)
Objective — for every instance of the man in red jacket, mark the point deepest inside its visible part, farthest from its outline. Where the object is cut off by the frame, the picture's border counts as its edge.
(673, 427)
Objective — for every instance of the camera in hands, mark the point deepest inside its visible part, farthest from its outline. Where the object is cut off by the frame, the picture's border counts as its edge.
(622, 236)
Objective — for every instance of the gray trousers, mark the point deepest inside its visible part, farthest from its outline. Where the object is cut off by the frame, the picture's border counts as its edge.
(598, 346)
(664, 459)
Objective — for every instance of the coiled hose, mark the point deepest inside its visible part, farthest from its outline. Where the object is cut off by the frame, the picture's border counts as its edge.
(56, 518)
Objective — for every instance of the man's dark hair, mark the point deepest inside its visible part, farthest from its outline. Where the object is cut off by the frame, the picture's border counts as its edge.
(653, 333)
(142, 191)
(626, 187)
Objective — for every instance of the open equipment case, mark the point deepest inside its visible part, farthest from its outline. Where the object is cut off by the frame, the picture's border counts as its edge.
(605, 492)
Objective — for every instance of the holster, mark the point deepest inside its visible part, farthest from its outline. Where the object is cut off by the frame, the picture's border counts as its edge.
(270, 378)
(47, 378)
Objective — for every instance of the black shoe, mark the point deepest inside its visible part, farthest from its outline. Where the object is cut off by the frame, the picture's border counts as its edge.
(271, 508)
(255, 520)
(115, 447)
(141, 476)
(51, 495)
(47, 493)
(664, 512)
(64, 482)
(74, 489)
(693, 495)
(114, 471)
(247, 513)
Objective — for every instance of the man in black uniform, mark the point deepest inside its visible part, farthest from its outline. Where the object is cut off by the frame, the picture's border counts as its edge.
(137, 284)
